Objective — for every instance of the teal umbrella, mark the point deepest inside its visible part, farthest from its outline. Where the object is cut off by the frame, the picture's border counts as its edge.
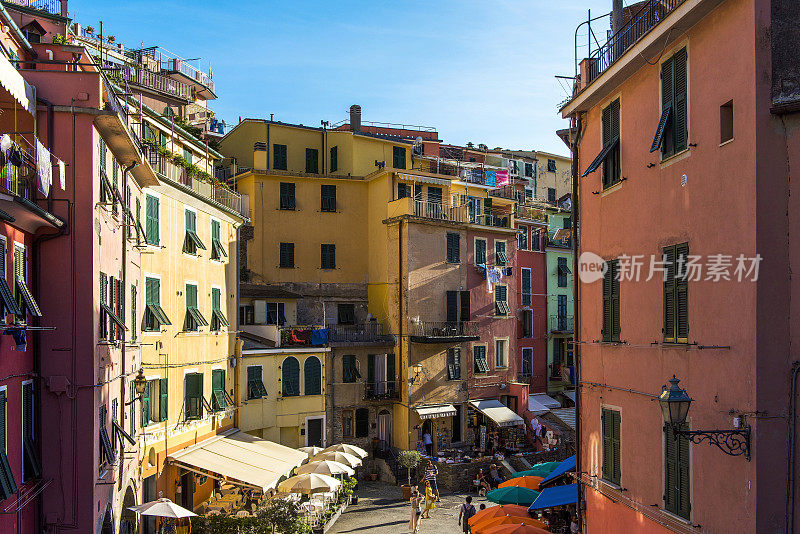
(538, 470)
(513, 495)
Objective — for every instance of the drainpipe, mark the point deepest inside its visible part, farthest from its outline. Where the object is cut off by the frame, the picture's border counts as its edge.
(400, 318)
(792, 443)
(576, 142)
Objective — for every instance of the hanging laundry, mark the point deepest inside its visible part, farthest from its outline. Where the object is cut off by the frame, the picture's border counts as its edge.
(62, 175)
(490, 177)
(477, 176)
(319, 336)
(18, 334)
(493, 276)
(16, 156)
(44, 168)
(5, 144)
(502, 178)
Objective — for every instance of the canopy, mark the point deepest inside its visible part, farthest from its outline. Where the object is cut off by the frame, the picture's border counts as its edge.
(563, 468)
(433, 412)
(162, 508)
(565, 415)
(342, 457)
(326, 467)
(502, 510)
(556, 496)
(538, 470)
(309, 483)
(536, 407)
(512, 495)
(530, 482)
(349, 449)
(17, 87)
(239, 458)
(545, 400)
(497, 412)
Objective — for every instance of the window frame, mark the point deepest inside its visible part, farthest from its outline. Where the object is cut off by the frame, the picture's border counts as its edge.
(398, 157)
(327, 256)
(611, 425)
(500, 256)
(279, 163)
(501, 308)
(480, 362)
(453, 248)
(327, 200)
(287, 196)
(255, 386)
(498, 363)
(286, 255)
(485, 257)
(527, 370)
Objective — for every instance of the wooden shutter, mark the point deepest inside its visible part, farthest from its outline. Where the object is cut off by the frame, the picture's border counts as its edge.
(680, 98)
(163, 399)
(452, 306)
(608, 463)
(3, 401)
(480, 251)
(371, 369)
(607, 328)
(615, 326)
(132, 413)
(669, 294)
(391, 374)
(526, 287)
(146, 405)
(683, 471)
(291, 376)
(615, 446)
(682, 294)
(312, 369)
(676, 473)
(465, 306)
(151, 220)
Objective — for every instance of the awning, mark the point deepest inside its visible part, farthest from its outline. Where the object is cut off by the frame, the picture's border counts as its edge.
(536, 407)
(423, 179)
(241, 459)
(546, 400)
(565, 415)
(434, 412)
(12, 81)
(497, 412)
(563, 468)
(555, 496)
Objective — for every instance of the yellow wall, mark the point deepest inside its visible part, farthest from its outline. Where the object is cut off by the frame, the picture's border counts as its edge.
(275, 417)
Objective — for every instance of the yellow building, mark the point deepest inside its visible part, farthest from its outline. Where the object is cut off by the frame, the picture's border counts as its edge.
(186, 303)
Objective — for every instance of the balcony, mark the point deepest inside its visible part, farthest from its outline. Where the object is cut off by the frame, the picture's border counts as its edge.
(530, 213)
(180, 175)
(553, 241)
(371, 332)
(561, 324)
(53, 7)
(150, 80)
(442, 211)
(444, 331)
(382, 390)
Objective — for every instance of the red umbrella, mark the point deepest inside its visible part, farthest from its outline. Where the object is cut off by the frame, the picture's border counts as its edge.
(503, 510)
(515, 529)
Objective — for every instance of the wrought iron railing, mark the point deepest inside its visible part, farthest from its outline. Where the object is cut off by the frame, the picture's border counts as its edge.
(359, 333)
(465, 213)
(444, 329)
(382, 389)
(561, 323)
(151, 80)
(54, 7)
(645, 19)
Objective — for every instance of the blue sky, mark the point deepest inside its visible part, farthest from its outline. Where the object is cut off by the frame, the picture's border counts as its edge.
(477, 71)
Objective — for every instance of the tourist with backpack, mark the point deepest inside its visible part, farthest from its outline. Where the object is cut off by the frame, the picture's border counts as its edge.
(467, 511)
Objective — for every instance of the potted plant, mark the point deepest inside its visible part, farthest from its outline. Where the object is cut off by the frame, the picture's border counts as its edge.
(89, 30)
(409, 460)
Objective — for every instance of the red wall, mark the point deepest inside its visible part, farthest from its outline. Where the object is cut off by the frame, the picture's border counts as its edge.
(536, 262)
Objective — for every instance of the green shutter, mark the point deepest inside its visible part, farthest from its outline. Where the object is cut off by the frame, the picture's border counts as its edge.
(615, 326)
(682, 294)
(480, 252)
(676, 473)
(215, 230)
(132, 414)
(616, 446)
(452, 306)
(291, 377)
(669, 294)
(370, 369)
(191, 221)
(464, 307)
(312, 371)
(608, 464)
(3, 420)
(152, 220)
(191, 296)
(146, 406)
(681, 123)
(133, 313)
(164, 399)
(216, 295)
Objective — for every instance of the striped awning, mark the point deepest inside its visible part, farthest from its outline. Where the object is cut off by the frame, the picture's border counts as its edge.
(434, 412)
(423, 179)
(17, 87)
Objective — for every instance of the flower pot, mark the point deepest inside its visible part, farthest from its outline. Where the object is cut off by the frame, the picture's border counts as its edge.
(406, 491)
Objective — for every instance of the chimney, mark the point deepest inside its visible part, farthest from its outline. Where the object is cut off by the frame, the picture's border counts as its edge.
(355, 118)
(616, 16)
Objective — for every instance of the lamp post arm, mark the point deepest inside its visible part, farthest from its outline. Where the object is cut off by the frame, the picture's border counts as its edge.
(731, 442)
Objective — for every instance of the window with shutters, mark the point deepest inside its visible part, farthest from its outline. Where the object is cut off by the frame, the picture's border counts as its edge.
(551, 195)
(609, 156)
(151, 220)
(154, 315)
(458, 306)
(453, 247)
(527, 362)
(562, 271)
(219, 397)
(501, 300)
(349, 369)
(536, 238)
(312, 374)
(346, 313)
(522, 238)
(676, 294)
(163, 399)
(191, 241)
(334, 163)
(218, 319)
(255, 382)
(290, 377)
(327, 256)
(673, 125)
(526, 296)
(106, 455)
(134, 328)
(145, 417)
(677, 472)
(480, 251)
(8, 485)
(103, 306)
(275, 313)
(193, 319)
(193, 396)
(31, 464)
(111, 313)
(398, 157)
(454, 363)
(279, 157)
(312, 160)
(217, 249)
(286, 257)
(347, 423)
(9, 305)
(500, 257)
(154, 401)
(611, 324)
(328, 198)
(480, 364)
(287, 198)
(611, 446)
(527, 324)
(114, 186)
(362, 423)
(551, 165)
(501, 353)
(529, 170)
(24, 298)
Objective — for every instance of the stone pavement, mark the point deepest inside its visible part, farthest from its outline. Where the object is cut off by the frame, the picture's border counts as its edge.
(381, 509)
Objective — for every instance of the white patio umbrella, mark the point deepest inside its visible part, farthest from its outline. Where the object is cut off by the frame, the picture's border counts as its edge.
(349, 449)
(311, 451)
(162, 508)
(309, 483)
(326, 467)
(341, 457)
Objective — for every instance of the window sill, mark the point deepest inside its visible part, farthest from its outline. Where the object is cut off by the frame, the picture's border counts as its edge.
(726, 142)
(674, 516)
(500, 367)
(282, 267)
(677, 156)
(287, 209)
(612, 188)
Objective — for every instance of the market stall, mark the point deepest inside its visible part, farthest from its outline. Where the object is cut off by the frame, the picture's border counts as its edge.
(497, 428)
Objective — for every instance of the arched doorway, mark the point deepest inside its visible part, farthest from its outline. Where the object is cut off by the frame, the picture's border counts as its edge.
(385, 426)
(127, 520)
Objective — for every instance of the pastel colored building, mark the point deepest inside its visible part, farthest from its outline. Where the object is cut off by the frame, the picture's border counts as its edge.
(560, 305)
(685, 130)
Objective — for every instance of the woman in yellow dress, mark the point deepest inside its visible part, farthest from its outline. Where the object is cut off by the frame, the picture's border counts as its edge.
(430, 500)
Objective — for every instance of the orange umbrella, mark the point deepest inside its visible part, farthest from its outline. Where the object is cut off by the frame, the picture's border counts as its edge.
(530, 482)
(502, 510)
(515, 529)
(482, 526)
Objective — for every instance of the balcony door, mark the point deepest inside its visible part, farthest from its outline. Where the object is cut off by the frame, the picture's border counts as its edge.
(385, 426)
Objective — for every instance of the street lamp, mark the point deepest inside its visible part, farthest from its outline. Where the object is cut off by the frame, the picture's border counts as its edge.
(675, 404)
(139, 385)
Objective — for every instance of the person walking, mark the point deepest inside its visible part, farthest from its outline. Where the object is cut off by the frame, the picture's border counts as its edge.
(430, 474)
(416, 511)
(467, 510)
(430, 500)
(427, 440)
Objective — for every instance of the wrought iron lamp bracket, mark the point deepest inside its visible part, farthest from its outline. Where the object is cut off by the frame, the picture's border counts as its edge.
(731, 442)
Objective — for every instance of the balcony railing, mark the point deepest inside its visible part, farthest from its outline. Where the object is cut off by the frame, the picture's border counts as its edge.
(370, 332)
(431, 331)
(150, 80)
(564, 242)
(645, 19)
(178, 174)
(506, 191)
(531, 213)
(54, 7)
(382, 389)
(18, 181)
(561, 323)
(465, 213)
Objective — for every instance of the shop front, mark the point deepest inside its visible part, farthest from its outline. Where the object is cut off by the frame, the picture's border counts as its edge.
(437, 424)
(495, 428)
